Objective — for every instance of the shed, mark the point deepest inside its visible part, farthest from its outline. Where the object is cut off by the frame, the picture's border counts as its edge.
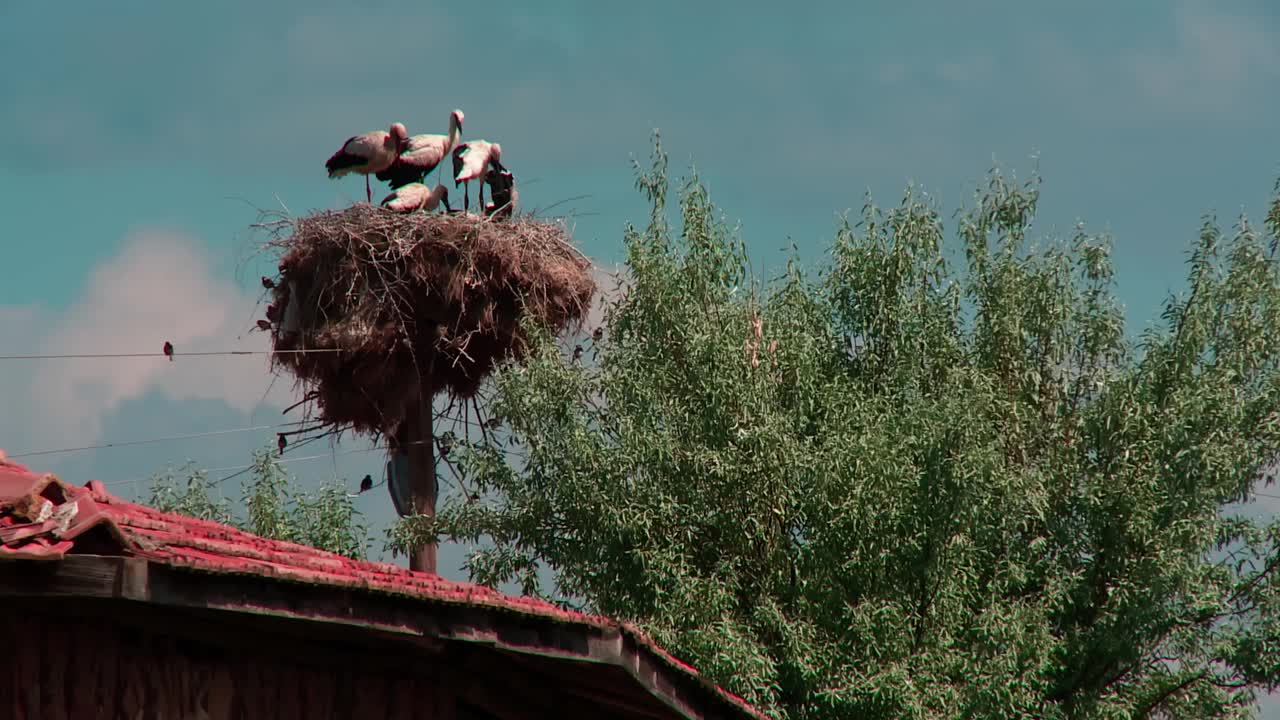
(111, 609)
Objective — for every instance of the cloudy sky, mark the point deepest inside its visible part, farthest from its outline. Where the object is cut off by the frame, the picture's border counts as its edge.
(137, 138)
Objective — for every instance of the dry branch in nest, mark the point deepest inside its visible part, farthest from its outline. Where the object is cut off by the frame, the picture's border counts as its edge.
(407, 306)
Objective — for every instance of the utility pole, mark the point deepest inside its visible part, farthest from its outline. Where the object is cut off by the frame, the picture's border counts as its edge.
(419, 441)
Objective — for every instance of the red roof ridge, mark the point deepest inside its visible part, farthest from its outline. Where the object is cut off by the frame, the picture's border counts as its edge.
(210, 546)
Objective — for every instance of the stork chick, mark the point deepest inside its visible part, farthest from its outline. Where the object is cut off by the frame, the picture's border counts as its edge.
(502, 190)
(416, 196)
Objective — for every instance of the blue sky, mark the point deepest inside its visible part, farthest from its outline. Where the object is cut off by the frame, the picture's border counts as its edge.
(136, 138)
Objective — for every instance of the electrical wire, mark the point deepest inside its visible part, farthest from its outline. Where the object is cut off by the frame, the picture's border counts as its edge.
(237, 470)
(170, 438)
(208, 353)
(211, 433)
(240, 469)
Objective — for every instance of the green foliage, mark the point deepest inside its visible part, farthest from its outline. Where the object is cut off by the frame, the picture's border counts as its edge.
(325, 519)
(274, 506)
(935, 480)
(191, 496)
(266, 499)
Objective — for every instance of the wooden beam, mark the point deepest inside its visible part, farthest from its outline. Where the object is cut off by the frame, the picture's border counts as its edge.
(610, 687)
(76, 576)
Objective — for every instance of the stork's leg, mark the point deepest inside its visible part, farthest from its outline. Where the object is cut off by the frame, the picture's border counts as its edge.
(368, 192)
(466, 196)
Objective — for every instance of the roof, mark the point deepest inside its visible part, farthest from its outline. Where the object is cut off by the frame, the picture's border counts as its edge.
(43, 519)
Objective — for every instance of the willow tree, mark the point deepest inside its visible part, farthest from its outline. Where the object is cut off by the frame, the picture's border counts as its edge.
(937, 479)
(272, 505)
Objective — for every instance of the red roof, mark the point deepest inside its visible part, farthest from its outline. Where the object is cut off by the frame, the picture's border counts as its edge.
(42, 518)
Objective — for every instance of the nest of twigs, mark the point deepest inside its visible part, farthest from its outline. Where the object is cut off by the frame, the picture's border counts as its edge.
(400, 307)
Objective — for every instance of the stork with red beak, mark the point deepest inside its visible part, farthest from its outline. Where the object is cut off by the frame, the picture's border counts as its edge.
(471, 161)
(369, 153)
(423, 154)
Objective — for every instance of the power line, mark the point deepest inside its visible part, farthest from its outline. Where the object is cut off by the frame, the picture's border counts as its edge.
(212, 433)
(145, 441)
(237, 473)
(209, 353)
(240, 469)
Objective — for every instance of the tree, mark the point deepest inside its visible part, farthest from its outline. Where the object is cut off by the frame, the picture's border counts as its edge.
(935, 479)
(274, 507)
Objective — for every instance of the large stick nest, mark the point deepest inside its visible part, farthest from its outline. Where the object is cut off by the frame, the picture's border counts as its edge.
(407, 306)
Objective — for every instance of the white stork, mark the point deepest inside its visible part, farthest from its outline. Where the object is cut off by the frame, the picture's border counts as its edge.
(471, 161)
(416, 196)
(368, 153)
(423, 154)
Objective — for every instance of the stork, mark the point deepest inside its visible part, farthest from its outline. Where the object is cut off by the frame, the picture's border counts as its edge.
(369, 153)
(471, 161)
(423, 154)
(416, 196)
(502, 190)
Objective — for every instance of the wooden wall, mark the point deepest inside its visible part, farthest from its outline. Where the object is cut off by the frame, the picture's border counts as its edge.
(60, 665)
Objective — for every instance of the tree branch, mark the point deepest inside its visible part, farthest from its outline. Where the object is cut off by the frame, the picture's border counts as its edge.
(1166, 695)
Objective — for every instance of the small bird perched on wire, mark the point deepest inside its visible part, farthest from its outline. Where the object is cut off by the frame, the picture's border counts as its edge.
(168, 350)
(281, 442)
(367, 483)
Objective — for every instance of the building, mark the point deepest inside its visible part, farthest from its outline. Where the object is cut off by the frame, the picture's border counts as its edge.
(111, 609)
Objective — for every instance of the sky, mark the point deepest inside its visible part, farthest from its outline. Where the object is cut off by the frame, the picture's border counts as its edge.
(139, 139)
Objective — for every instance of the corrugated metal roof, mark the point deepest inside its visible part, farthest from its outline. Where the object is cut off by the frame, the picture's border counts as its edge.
(43, 518)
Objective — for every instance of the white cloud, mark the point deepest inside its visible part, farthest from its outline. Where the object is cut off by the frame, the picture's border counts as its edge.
(893, 73)
(967, 71)
(347, 42)
(1212, 65)
(1214, 61)
(159, 287)
(17, 322)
